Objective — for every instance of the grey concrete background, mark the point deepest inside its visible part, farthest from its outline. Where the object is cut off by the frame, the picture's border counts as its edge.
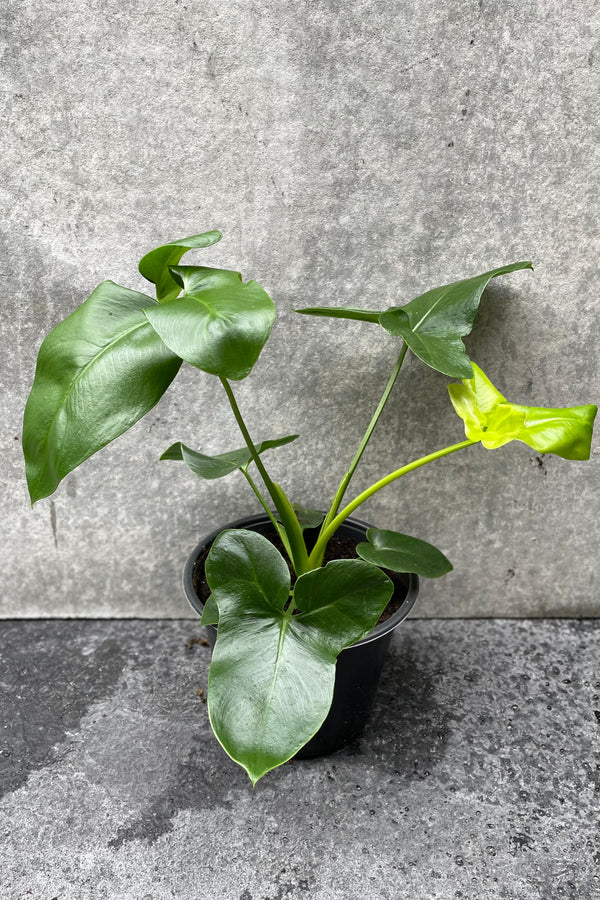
(358, 153)
(477, 777)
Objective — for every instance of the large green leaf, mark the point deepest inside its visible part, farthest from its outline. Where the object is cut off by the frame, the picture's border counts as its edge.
(219, 325)
(155, 265)
(489, 418)
(272, 673)
(224, 463)
(98, 372)
(434, 323)
(402, 553)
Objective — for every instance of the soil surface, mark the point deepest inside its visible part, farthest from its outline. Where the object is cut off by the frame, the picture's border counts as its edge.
(338, 548)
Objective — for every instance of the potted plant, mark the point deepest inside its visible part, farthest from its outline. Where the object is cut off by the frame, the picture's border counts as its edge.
(282, 616)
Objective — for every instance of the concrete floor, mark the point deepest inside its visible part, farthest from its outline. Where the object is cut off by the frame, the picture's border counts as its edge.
(478, 777)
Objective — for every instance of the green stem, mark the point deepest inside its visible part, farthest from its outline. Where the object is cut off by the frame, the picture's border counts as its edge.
(343, 486)
(282, 504)
(276, 525)
(316, 556)
(260, 497)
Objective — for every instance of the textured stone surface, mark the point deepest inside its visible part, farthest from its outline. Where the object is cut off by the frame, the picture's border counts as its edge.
(352, 157)
(478, 776)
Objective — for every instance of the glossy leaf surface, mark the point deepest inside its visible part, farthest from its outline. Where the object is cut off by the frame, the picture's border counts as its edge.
(98, 372)
(219, 325)
(272, 674)
(402, 553)
(434, 323)
(224, 463)
(489, 418)
(155, 265)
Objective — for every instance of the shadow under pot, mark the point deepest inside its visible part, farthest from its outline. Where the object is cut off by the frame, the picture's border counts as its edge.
(358, 667)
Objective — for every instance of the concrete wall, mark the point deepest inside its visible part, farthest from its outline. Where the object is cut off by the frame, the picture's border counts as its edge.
(354, 153)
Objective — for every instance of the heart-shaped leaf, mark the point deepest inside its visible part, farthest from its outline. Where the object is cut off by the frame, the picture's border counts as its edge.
(224, 463)
(98, 372)
(219, 325)
(489, 418)
(155, 265)
(401, 553)
(272, 673)
(434, 323)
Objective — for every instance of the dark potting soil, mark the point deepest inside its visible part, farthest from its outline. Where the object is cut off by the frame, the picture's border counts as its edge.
(338, 548)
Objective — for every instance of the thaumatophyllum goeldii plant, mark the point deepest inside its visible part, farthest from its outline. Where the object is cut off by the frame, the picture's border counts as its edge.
(108, 363)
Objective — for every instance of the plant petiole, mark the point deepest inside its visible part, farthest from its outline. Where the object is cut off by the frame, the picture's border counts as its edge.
(343, 486)
(316, 557)
(289, 520)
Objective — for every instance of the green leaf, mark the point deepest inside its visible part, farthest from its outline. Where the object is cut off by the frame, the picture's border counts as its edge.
(434, 323)
(210, 613)
(98, 372)
(307, 518)
(224, 463)
(220, 325)
(155, 265)
(401, 553)
(342, 602)
(341, 312)
(489, 418)
(272, 674)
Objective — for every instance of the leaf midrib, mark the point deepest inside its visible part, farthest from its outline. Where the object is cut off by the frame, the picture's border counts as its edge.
(283, 627)
(210, 309)
(432, 307)
(82, 372)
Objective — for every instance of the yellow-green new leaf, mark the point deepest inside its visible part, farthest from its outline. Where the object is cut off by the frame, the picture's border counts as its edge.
(489, 418)
(565, 432)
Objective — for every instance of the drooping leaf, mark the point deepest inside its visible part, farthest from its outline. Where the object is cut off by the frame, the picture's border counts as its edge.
(341, 312)
(224, 463)
(401, 553)
(489, 418)
(272, 674)
(155, 265)
(98, 372)
(434, 323)
(219, 325)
